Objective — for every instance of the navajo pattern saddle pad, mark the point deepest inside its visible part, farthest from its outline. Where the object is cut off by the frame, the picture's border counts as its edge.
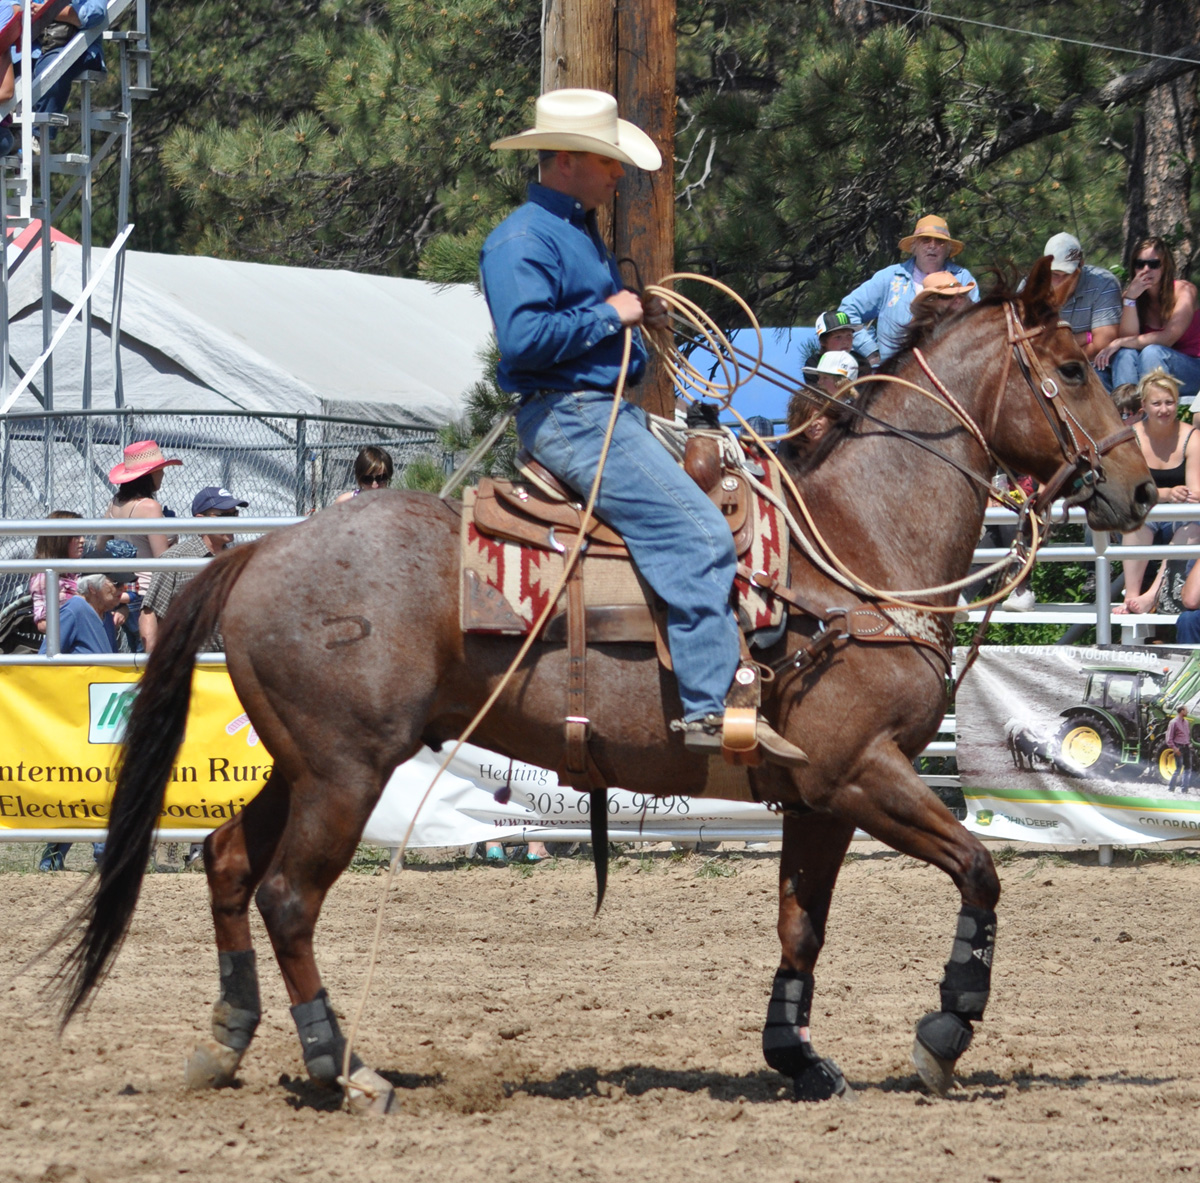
(506, 585)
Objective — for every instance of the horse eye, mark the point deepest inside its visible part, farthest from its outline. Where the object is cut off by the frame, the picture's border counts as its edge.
(1074, 372)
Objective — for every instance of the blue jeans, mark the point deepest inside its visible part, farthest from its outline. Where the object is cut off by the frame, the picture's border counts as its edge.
(1131, 365)
(676, 536)
(1187, 627)
(55, 99)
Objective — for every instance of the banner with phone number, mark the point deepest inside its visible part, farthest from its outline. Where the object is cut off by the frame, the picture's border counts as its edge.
(61, 727)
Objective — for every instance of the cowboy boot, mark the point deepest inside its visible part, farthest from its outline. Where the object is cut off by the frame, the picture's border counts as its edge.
(705, 737)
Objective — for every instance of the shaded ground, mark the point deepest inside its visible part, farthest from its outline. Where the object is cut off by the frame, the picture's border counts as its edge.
(530, 1041)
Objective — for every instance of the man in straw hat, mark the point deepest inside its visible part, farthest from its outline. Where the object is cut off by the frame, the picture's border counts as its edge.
(560, 308)
(885, 297)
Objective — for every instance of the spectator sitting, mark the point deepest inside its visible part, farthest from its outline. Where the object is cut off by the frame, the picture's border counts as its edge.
(1160, 323)
(81, 627)
(210, 502)
(81, 630)
(886, 297)
(1187, 624)
(8, 87)
(372, 470)
(54, 546)
(1172, 451)
(835, 334)
(832, 375)
(944, 293)
(1129, 403)
(1093, 310)
(49, 44)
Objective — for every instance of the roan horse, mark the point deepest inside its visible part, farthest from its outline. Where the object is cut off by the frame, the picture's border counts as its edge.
(344, 646)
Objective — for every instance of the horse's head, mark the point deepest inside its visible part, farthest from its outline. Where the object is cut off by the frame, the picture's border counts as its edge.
(1053, 418)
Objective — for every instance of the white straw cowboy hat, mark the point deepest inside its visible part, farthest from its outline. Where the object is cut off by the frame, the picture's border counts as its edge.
(931, 226)
(575, 120)
(141, 458)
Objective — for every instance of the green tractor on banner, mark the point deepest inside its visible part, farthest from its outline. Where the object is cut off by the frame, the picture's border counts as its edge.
(1121, 724)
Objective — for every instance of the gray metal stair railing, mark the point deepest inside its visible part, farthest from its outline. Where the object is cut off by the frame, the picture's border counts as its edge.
(19, 202)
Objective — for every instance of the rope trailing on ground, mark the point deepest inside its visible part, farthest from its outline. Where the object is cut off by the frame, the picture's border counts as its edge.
(571, 557)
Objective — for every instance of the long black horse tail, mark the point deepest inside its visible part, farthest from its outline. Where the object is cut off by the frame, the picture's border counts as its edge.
(152, 738)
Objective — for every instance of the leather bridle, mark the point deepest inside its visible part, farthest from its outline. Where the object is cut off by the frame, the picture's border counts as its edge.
(1081, 460)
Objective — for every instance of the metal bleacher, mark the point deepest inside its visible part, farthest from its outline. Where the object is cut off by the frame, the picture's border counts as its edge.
(27, 185)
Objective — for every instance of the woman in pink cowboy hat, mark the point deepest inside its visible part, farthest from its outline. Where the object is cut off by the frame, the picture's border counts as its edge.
(137, 478)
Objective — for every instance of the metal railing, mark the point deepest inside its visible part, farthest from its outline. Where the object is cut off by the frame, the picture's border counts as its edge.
(53, 568)
(281, 464)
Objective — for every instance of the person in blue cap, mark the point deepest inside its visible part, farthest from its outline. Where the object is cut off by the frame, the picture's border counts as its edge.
(210, 502)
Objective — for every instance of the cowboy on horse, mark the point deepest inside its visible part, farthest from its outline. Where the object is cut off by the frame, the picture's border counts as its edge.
(559, 307)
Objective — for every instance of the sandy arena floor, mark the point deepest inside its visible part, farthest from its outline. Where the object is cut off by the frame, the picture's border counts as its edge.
(533, 1042)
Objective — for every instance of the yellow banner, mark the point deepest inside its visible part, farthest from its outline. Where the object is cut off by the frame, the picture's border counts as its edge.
(60, 734)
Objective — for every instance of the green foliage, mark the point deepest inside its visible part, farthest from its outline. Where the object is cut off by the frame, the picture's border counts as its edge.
(354, 133)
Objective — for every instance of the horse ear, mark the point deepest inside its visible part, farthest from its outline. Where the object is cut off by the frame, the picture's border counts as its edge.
(1039, 300)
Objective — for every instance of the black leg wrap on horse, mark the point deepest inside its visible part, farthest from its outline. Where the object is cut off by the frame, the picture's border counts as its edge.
(790, 1052)
(321, 1040)
(968, 978)
(946, 1035)
(237, 1011)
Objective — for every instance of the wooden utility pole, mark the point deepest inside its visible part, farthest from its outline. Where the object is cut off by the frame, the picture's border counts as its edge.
(628, 51)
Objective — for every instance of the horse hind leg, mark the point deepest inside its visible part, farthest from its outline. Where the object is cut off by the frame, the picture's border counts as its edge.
(327, 817)
(813, 848)
(236, 857)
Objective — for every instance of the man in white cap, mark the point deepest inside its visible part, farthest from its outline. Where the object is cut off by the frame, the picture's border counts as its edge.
(886, 297)
(560, 308)
(1094, 308)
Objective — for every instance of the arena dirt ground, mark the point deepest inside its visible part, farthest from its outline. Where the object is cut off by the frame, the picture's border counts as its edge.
(533, 1042)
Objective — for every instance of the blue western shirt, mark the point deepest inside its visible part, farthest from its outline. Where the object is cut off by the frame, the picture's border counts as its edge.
(885, 299)
(546, 274)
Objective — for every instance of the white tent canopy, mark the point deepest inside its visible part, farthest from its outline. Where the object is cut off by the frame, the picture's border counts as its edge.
(209, 334)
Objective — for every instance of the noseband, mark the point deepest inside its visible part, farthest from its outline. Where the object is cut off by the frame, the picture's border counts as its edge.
(1080, 460)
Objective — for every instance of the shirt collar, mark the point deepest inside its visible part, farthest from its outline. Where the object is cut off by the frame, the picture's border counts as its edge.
(562, 205)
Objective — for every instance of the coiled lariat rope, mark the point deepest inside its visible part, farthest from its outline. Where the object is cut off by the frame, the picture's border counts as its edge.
(692, 385)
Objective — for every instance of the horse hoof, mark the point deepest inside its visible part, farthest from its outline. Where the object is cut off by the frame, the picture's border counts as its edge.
(368, 1092)
(936, 1074)
(942, 1037)
(212, 1066)
(821, 1081)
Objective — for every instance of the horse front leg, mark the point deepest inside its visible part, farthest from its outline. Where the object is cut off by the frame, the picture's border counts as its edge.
(813, 848)
(236, 857)
(891, 803)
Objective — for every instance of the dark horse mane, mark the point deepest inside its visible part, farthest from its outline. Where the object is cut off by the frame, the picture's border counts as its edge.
(930, 323)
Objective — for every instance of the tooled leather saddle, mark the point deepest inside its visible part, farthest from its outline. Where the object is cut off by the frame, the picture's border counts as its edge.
(515, 537)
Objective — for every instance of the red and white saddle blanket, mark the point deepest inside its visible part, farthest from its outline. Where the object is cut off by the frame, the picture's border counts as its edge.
(506, 585)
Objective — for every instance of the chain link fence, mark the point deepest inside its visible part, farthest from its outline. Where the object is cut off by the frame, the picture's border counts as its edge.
(282, 465)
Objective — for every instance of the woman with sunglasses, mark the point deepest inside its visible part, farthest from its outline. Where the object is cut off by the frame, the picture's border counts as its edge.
(372, 470)
(1160, 323)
